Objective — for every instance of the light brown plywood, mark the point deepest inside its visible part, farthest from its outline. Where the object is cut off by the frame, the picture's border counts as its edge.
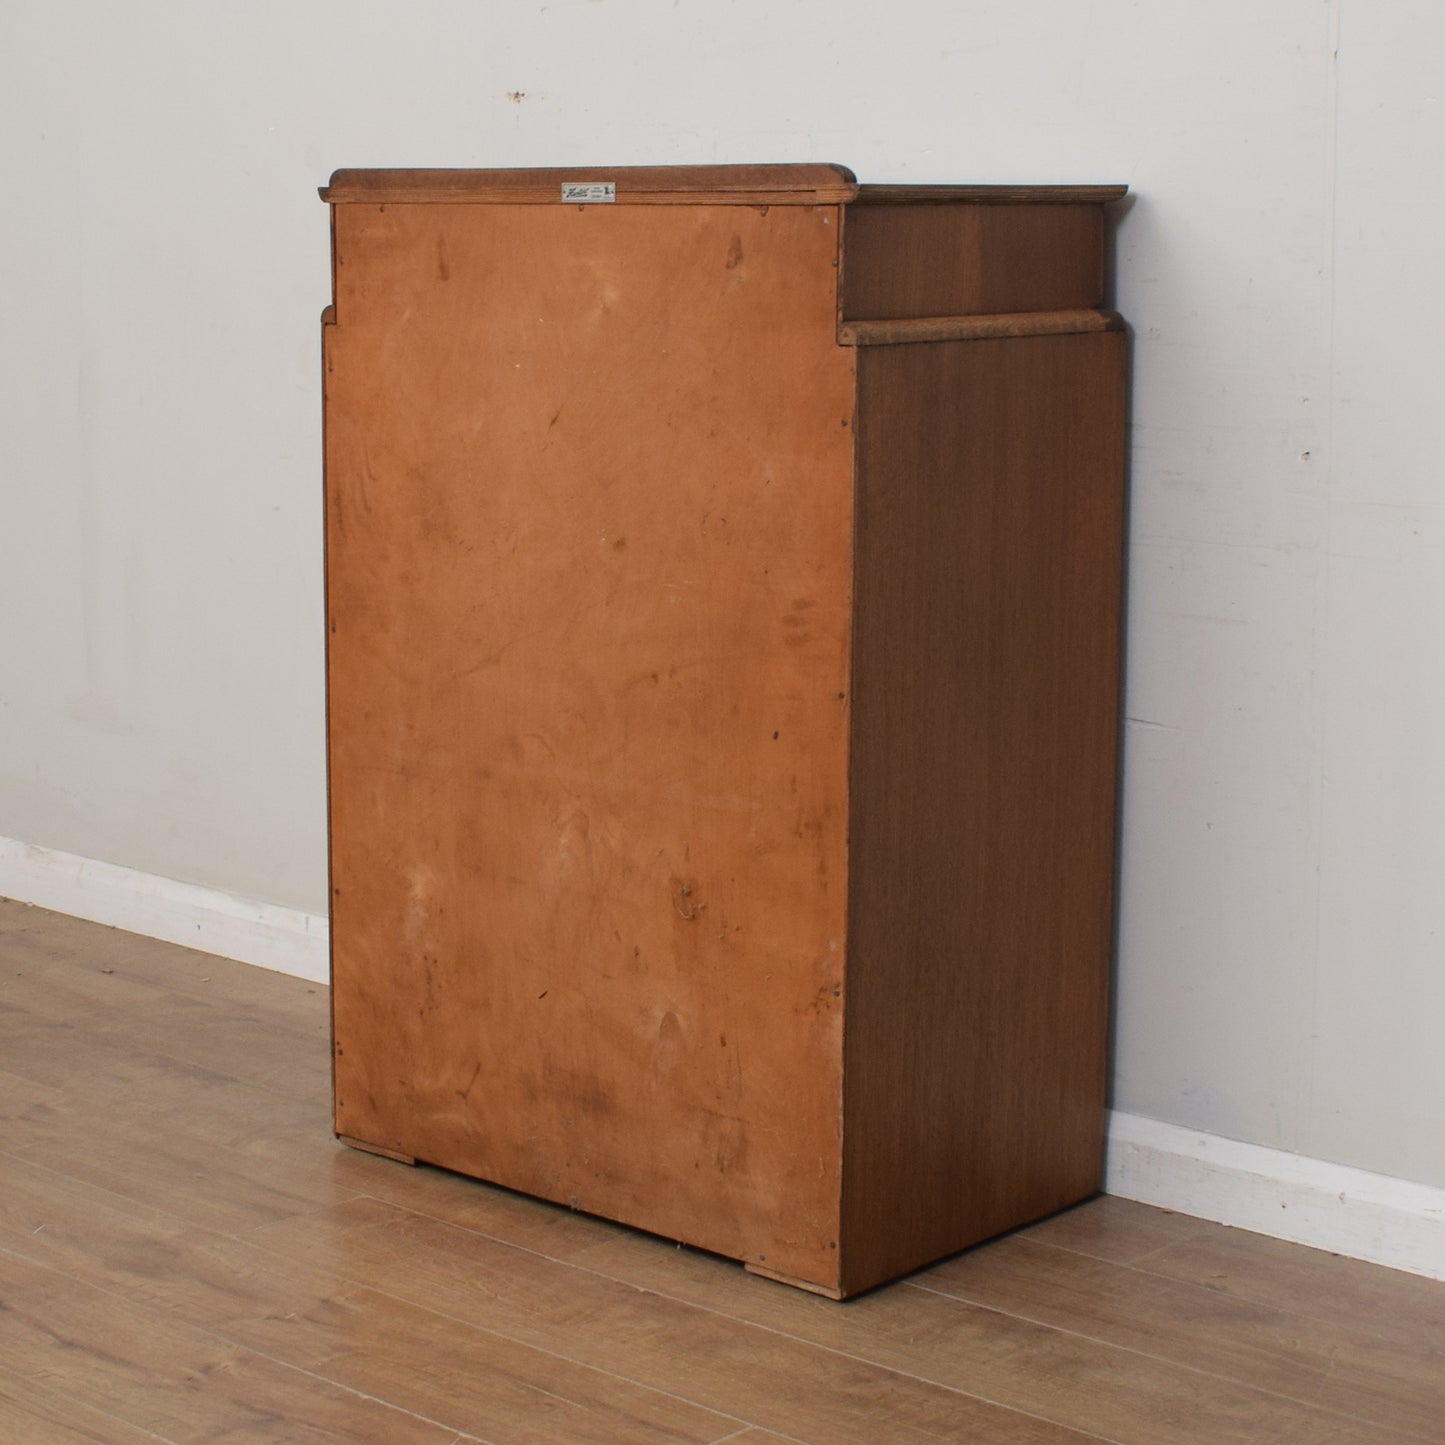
(588, 570)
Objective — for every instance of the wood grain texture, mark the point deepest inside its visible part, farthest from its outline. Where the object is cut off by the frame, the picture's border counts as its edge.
(346, 1336)
(775, 185)
(34, 1412)
(1395, 1383)
(957, 259)
(1121, 1231)
(139, 1310)
(986, 673)
(672, 1346)
(1038, 1367)
(1401, 1311)
(111, 1350)
(588, 566)
(976, 328)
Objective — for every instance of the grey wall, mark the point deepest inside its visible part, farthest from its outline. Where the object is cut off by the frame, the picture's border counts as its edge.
(163, 260)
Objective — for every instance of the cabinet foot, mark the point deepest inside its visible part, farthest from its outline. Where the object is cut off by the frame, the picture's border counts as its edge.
(827, 1291)
(376, 1149)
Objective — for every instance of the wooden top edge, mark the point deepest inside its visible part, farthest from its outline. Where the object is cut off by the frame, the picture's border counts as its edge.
(806, 184)
(812, 184)
(884, 195)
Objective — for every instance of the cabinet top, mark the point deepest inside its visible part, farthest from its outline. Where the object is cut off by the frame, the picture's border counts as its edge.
(772, 185)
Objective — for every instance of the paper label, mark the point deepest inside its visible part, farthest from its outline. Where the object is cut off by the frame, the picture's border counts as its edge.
(589, 193)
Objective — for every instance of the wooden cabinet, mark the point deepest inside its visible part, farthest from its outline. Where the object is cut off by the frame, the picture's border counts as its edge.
(723, 582)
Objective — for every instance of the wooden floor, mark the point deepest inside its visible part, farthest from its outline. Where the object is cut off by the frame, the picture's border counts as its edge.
(187, 1255)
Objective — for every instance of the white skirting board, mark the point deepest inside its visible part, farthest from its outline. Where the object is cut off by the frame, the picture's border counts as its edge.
(284, 939)
(1366, 1216)
(1373, 1217)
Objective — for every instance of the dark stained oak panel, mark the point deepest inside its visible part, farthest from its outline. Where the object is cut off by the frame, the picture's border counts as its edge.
(968, 258)
(986, 671)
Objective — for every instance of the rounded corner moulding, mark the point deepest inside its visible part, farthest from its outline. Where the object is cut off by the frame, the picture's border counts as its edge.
(991, 327)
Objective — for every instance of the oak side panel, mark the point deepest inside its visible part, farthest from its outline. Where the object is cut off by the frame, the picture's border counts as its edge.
(589, 518)
(961, 259)
(986, 668)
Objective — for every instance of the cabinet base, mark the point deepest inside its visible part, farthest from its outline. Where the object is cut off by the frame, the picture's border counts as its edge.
(376, 1149)
(762, 1270)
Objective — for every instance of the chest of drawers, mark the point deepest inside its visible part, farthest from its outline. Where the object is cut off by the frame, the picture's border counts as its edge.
(723, 579)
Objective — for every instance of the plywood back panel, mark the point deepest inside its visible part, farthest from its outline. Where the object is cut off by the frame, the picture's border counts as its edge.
(588, 520)
(989, 536)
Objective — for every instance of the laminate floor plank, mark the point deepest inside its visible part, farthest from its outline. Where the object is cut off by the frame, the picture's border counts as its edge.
(501, 1214)
(104, 1079)
(47, 937)
(179, 1383)
(227, 1156)
(145, 1016)
(1388, 1384)
(284, 1142)
(226, 1159)
(219, 1150)
(279, 1158)
(1118, 1230)
(789, 1385)
(206, 1185)
(25, 1101)
(33, 1413)
(186, 1255)
(1054, 1371)
(102, 966)
(1405, 1311)
(763, 1437)
(350, 1336)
